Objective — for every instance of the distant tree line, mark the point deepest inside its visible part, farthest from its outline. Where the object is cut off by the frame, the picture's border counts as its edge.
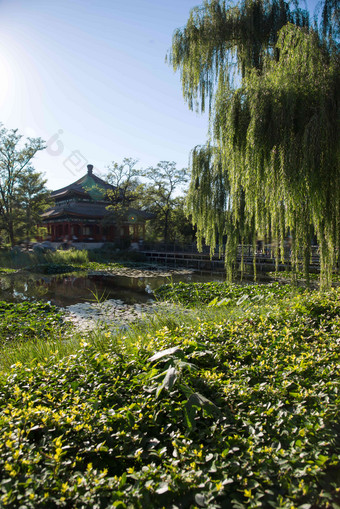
(24, 195)
(158, 190)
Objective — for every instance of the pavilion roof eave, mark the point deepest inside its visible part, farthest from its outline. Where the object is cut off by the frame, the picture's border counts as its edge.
(68, 192)
(47, 217)
(81, 186)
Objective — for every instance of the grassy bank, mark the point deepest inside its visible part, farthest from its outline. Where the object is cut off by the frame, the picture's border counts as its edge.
(21, 259)
(237, 407)
(56, 262)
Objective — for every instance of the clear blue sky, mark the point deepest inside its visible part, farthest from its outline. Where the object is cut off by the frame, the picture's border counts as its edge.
(90, 78)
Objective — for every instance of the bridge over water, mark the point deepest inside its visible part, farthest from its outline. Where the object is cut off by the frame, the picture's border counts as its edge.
(187, 255)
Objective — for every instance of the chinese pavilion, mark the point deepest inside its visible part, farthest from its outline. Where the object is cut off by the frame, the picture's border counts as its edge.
(80, 214)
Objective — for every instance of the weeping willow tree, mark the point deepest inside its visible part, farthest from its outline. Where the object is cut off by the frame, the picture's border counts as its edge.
(271, 166)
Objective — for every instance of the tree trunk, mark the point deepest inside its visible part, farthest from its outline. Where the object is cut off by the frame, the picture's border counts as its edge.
(166, 225)
(11, 233)
(28, 219)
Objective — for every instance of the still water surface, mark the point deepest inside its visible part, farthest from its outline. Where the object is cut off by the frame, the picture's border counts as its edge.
(68, 290)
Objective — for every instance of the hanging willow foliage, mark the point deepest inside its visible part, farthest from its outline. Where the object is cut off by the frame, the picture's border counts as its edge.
(222, 39)
(272, 164)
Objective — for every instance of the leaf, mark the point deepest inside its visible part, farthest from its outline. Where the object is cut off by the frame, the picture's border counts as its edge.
(189, 415)
(122, 481)
(170, 378)
(321, 459)
(118, 504)
(197, 399)
(213, 302)
(200, 500)
(130, 418)
(162, 488)
(164, 353)
(34, 428)
(242, 299)
(152, 443)
(223, 302)
(168, 381)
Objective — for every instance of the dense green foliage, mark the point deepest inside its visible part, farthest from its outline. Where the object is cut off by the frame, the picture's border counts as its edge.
(22, 191)
(223, 293)
(53, 268)
(163, 181)
(241, 412)
(28, 320)
(32, 199)
(271, 166)
(151, 190)
(24, 259)
(72, 260)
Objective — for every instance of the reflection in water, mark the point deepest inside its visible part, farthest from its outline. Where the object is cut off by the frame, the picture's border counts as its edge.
(68, 290)
(15, 288)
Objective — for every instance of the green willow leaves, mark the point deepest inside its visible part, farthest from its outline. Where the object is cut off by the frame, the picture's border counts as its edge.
(271, 166)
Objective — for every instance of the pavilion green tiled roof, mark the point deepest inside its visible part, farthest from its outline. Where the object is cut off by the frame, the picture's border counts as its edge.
(86, 199)
(88, 186)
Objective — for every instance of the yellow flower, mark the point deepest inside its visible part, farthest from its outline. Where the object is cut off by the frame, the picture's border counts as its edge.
(64, 487)
(8, 467)
(58, 453)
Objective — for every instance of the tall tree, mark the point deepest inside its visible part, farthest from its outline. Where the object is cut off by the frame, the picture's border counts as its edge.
(15, 160)
(272, 84)
(125, 177)
(181, 227)
(31, 200)
(164, 180)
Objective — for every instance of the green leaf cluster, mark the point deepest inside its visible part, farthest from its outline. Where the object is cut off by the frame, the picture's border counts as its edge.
(271, 166)
(25, 321)
(237, 413)
(219, 293)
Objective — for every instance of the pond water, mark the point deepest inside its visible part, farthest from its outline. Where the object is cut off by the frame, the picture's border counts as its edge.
(68, 290)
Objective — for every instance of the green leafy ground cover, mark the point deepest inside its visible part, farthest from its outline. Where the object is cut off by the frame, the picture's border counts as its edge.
(235, 412)
(223, 294)
(28, 321)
